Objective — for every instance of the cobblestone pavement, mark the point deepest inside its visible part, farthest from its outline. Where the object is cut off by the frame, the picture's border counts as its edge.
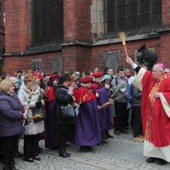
(120, 153)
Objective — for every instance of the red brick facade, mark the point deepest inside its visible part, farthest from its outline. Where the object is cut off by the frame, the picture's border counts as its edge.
(77, 52)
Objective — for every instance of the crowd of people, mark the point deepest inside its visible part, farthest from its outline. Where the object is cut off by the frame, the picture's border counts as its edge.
(82, 109)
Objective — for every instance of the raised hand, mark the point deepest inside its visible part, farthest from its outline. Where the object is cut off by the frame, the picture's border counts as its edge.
(129, 60)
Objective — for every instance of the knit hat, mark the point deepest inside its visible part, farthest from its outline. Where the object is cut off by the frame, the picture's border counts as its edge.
(106, 77)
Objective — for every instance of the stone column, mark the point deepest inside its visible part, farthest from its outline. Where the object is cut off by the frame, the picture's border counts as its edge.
(98, 17)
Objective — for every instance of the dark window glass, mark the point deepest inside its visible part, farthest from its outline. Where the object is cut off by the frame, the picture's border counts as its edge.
(111, 16)
(47, 21)
(132, 14)
(127, 15)
(121, 14)
(156, 13)
(144, 12)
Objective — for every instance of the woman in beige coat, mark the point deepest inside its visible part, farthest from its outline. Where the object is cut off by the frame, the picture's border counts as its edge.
(29, 94)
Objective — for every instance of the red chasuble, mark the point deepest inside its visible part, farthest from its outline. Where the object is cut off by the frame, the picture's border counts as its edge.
(156, 123)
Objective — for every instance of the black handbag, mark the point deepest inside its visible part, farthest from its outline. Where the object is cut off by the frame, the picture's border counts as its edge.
(38, 114)
(67, 111)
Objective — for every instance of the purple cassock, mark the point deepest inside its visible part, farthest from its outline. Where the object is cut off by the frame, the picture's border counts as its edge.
(51, 127)
(87, 125)
(105, 114)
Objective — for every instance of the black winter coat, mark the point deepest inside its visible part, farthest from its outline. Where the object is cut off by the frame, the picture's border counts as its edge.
(63, 98)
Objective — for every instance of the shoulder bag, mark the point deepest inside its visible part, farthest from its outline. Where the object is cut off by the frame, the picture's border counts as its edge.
(67, 111)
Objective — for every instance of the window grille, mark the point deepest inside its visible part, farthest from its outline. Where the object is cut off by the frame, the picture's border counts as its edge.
(128, 15)
(47, 21)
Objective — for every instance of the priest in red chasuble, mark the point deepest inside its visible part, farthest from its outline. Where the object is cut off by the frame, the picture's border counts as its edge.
(155, 86)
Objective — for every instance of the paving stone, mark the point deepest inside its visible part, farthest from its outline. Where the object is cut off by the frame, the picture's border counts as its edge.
(120, 153)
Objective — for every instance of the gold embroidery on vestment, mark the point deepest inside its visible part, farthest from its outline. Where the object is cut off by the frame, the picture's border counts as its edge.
(151, 101)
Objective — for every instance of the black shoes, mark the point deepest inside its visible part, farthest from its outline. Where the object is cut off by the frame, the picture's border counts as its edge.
(28, 159)
(151, 160)
(63, 153)
(161, 162)
(108, 135)
(158, 160)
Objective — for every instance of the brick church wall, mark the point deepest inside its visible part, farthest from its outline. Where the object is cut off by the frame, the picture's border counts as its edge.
(77, 51)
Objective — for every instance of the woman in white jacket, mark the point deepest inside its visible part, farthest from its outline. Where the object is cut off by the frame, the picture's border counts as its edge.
(29, 94)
